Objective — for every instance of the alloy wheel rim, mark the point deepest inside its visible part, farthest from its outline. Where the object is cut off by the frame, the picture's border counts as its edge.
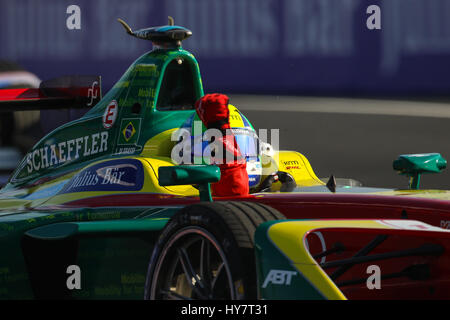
(192, 265)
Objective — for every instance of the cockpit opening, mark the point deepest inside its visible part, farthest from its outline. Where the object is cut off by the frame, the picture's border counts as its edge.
(177, 88)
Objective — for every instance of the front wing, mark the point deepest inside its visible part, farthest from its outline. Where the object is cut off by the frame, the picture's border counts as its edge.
(352, 259)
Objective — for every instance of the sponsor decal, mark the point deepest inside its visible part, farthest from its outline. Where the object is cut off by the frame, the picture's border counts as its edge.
(323, 245)
(292, 164)
(281, 277)
(127, 150)
(65, 151)
(254, 171)
(410, 225)
(110, 115)
(93, 93)
(129, 129)
(114, 175)
(445, 224)
(146, 92)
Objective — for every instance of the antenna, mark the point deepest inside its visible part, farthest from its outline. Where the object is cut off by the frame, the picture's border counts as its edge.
(167, 36)
(126, 26)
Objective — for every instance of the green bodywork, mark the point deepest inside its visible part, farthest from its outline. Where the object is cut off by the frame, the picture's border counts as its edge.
(269, 258)
(202, 175)
(111, 246)
(141, 84)
(414, 165)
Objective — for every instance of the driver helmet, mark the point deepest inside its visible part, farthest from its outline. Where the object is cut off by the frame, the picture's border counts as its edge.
(246, 139)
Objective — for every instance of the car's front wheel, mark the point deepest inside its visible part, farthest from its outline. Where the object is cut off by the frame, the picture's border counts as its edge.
(206, 251)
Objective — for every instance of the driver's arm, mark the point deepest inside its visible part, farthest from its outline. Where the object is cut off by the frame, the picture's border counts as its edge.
(212, 109)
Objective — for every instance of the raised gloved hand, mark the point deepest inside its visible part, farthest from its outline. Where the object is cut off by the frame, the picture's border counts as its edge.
(213, 110)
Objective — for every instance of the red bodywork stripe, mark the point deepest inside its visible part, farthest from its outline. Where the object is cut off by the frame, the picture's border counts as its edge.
(132, 200)
(38, 99)
(37, 94)
(286, 200)
(297, 206)
(142, 200)
(20, 94)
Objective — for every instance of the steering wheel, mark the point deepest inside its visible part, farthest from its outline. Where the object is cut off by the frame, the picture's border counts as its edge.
(288, 183)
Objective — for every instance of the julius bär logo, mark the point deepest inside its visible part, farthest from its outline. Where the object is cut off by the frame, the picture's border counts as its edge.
(110, 115)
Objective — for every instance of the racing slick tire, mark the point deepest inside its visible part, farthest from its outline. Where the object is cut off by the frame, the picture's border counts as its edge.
(206, 251)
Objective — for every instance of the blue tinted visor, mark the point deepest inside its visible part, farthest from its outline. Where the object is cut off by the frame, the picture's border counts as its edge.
(246, 139)
(248, 142)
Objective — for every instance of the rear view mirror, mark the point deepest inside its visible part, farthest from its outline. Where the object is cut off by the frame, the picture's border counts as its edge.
(202, 175)
(413, 165)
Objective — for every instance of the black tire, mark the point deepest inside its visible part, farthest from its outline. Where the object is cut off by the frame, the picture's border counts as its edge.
(206, 251)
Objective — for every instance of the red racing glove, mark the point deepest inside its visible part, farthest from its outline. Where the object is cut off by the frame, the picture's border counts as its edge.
(212, 109)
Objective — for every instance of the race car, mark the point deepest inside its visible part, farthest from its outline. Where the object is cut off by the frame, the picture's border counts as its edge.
(99, 209)
(12, 140)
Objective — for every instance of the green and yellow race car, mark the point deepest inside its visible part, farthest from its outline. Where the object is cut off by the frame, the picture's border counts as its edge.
(99, 208)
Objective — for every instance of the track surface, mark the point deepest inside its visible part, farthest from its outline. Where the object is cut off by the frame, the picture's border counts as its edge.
(355, 138)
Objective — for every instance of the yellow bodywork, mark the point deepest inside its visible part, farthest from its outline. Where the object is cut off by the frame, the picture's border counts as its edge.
(290, 236)
(160, 145)
(156, 153)
(294, 163)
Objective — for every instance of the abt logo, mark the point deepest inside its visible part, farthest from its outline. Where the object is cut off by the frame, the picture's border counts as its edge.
(282, 277)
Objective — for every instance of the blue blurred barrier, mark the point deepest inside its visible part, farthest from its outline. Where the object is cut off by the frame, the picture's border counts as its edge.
(252, 46)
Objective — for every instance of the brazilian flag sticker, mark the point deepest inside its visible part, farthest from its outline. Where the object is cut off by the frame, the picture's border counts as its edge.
(129, 131)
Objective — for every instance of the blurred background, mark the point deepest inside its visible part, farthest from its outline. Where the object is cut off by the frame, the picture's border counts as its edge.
(349, 98)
